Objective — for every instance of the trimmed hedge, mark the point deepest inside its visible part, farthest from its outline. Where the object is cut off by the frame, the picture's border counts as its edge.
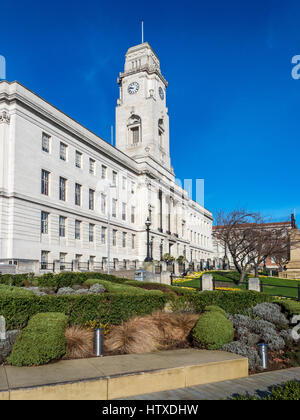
(213, 330)
(231, 302)
(112, 287)
(41, 341)
(112, 308)
(14, 291)
(290, 306)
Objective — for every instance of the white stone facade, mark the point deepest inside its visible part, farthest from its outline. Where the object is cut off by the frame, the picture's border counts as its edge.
(44, 154)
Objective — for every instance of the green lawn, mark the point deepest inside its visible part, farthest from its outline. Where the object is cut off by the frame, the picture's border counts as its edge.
(271, 285)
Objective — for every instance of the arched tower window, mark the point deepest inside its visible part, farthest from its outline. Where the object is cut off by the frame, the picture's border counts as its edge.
(134, 130)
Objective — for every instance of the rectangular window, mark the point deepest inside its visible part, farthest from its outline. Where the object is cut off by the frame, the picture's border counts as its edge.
(45, 182)
(92, 167)
(114, 178)
(62, 226)
(44, 222)
(78, 159)
(114, 237)
(91, 232)
(132, 187)
(114, 207)
(63, 151)
(124, 211)
(77, 229)
(62, 188)
(91, 199)
(135, 135)
(44, 259)
(133, 241)
(103, 235)
(132, 214)
(45, 143)
(78, 194)
(103, 203)
(124, 236)
(103, 172)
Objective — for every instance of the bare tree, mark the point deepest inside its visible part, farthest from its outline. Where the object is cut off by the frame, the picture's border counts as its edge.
(250, 239)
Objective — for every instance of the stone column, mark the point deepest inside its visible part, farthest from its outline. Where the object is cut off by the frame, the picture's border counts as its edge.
(75, 265)
(56, 266)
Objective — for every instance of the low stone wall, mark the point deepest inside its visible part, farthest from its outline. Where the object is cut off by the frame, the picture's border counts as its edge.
(7, 344)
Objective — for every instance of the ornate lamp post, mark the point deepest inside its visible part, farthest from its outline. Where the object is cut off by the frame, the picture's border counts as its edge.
(148, 224)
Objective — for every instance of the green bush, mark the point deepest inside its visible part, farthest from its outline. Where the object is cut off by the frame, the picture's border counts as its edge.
(290, 306)
(290, 391)
(112, 287)
(215, 308)
(14, 291)
(112, 308)
(15, 279)
(213, 330)
(41, 341)
(231, 302)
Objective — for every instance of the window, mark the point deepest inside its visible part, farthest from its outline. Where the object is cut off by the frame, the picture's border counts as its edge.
(92, 167)
(77, 229)
(78, 194)
(114, 207)
(103, 235)
(63, 151)
(78, 159)
(91, 199)
(103, 172)
(124, 236)
(161, 133)
(134, 129)
(133, 241)
(132, 187)
(114, 237)
(44, 259)
(114, 177)
(62, 188)
(45, 182)
(45, 143)
(124, 211)
(62, 260)
(132, 214)
(62, 226)
(103, 203)
(91, 232)
(44, 222)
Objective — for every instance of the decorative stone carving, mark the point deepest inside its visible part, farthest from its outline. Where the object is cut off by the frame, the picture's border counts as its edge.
(4, 117)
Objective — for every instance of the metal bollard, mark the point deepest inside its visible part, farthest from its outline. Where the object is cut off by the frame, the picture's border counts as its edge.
(263, 353)
(98, 342)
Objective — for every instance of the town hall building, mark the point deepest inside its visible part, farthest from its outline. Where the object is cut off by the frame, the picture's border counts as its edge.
(67, 195)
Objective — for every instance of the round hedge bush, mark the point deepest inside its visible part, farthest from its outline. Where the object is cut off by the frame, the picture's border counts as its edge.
(213, 330)
(215, 308)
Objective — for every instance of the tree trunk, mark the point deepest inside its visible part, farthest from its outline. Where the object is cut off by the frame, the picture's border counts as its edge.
(256, 271)
(242, 277)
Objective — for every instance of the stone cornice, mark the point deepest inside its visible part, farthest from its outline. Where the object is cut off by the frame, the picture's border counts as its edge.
(147, 69)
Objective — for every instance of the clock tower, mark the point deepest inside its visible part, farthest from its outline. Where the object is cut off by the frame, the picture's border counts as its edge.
(142, 120)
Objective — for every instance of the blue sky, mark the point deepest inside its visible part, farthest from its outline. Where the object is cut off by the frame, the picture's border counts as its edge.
(233, 105)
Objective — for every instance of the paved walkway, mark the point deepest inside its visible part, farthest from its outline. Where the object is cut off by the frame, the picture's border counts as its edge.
(255, 384)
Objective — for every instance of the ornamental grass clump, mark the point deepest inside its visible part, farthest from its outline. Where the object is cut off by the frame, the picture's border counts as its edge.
(79, 342)
(41, 341)
(213, 330)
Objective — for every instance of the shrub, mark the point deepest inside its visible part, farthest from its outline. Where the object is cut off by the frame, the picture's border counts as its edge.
(231, 302)
(290, 391)
(291, 307)
(270, 312)
(15, 279)
(112, 308)
(215, 308)
(12, 291)
(213, 330)
(245, 350)
(79, 342)
(115, 287)
(41, 341)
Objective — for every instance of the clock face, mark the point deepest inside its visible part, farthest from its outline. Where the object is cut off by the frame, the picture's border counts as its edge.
(133, 88)
(161, 93)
